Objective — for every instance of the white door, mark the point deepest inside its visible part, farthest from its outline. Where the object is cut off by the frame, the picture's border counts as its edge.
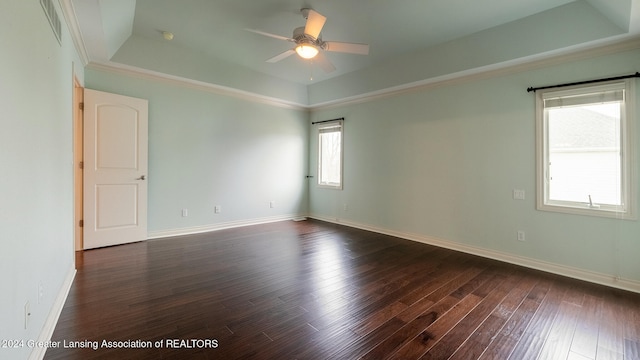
(115, 169)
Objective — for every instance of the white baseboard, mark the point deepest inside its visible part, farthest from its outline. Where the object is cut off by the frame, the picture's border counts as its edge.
(220, 226)
(54, 314)
(559, 269)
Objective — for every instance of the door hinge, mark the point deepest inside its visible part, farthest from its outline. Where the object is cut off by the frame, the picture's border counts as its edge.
(81, 106)
(81, 223)
(81, 164)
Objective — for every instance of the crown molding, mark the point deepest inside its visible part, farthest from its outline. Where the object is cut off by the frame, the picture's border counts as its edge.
(127, 70)
(69, 13)
(574, 53)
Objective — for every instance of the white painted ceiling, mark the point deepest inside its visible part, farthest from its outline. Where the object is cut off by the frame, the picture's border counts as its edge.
(129, 32)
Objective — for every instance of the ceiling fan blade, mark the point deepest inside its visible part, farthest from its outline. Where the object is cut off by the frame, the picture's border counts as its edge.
(270, 35)
(281, 56)
(351, 48)
(315, 22)
(324, 63)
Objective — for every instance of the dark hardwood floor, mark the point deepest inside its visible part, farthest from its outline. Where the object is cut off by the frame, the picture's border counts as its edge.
(314, 290)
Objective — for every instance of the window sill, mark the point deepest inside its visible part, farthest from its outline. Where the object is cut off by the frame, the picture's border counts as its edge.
(586, 211)
(334, 187)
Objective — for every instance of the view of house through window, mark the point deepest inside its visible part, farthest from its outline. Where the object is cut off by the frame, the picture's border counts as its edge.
(330, 155)
(583, 150)
(585, 154)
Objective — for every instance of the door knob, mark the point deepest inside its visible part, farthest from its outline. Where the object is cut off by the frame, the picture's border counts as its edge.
(141, 178)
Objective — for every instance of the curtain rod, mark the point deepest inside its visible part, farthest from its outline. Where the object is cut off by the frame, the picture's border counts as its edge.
(637, 74)
(324, 121)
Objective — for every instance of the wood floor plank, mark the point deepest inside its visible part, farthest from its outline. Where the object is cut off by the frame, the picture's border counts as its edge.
(492, 295)
(631, 349)
(558, 340)
(315, 290)
(372, 322)
(512, 331)
(428, 337)
(446, 319)
(439, 288)
(364, 343)
(530, 343)
(422, 314)
(611, 334)
(480, 339)
(585, 338)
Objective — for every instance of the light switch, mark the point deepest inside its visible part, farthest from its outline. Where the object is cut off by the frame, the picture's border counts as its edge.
(518, 194)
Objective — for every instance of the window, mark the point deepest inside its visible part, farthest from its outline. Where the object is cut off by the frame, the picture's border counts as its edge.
(584, 156)
(330, 155)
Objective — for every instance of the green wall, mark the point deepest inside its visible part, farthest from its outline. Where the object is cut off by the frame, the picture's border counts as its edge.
(441, 163)
(36, 181)
(207, 150)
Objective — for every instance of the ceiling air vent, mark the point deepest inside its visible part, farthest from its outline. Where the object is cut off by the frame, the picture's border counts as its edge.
(50, 10)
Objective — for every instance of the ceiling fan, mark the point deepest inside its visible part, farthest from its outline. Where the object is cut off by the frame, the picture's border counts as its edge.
(309, 44)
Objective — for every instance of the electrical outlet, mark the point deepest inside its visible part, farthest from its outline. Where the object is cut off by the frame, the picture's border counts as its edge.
(272, 204)
(345, 207)
(27, 314)
(521, 235)
(185, 212)
(217, 209)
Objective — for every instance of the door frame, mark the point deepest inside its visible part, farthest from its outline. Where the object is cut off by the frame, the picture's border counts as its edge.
(78, 151)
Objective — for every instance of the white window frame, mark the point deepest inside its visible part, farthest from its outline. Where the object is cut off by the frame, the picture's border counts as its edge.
(322, 128)
(628, 209)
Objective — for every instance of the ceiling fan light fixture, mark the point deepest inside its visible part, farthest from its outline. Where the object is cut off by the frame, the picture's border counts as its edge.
(307, 51)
